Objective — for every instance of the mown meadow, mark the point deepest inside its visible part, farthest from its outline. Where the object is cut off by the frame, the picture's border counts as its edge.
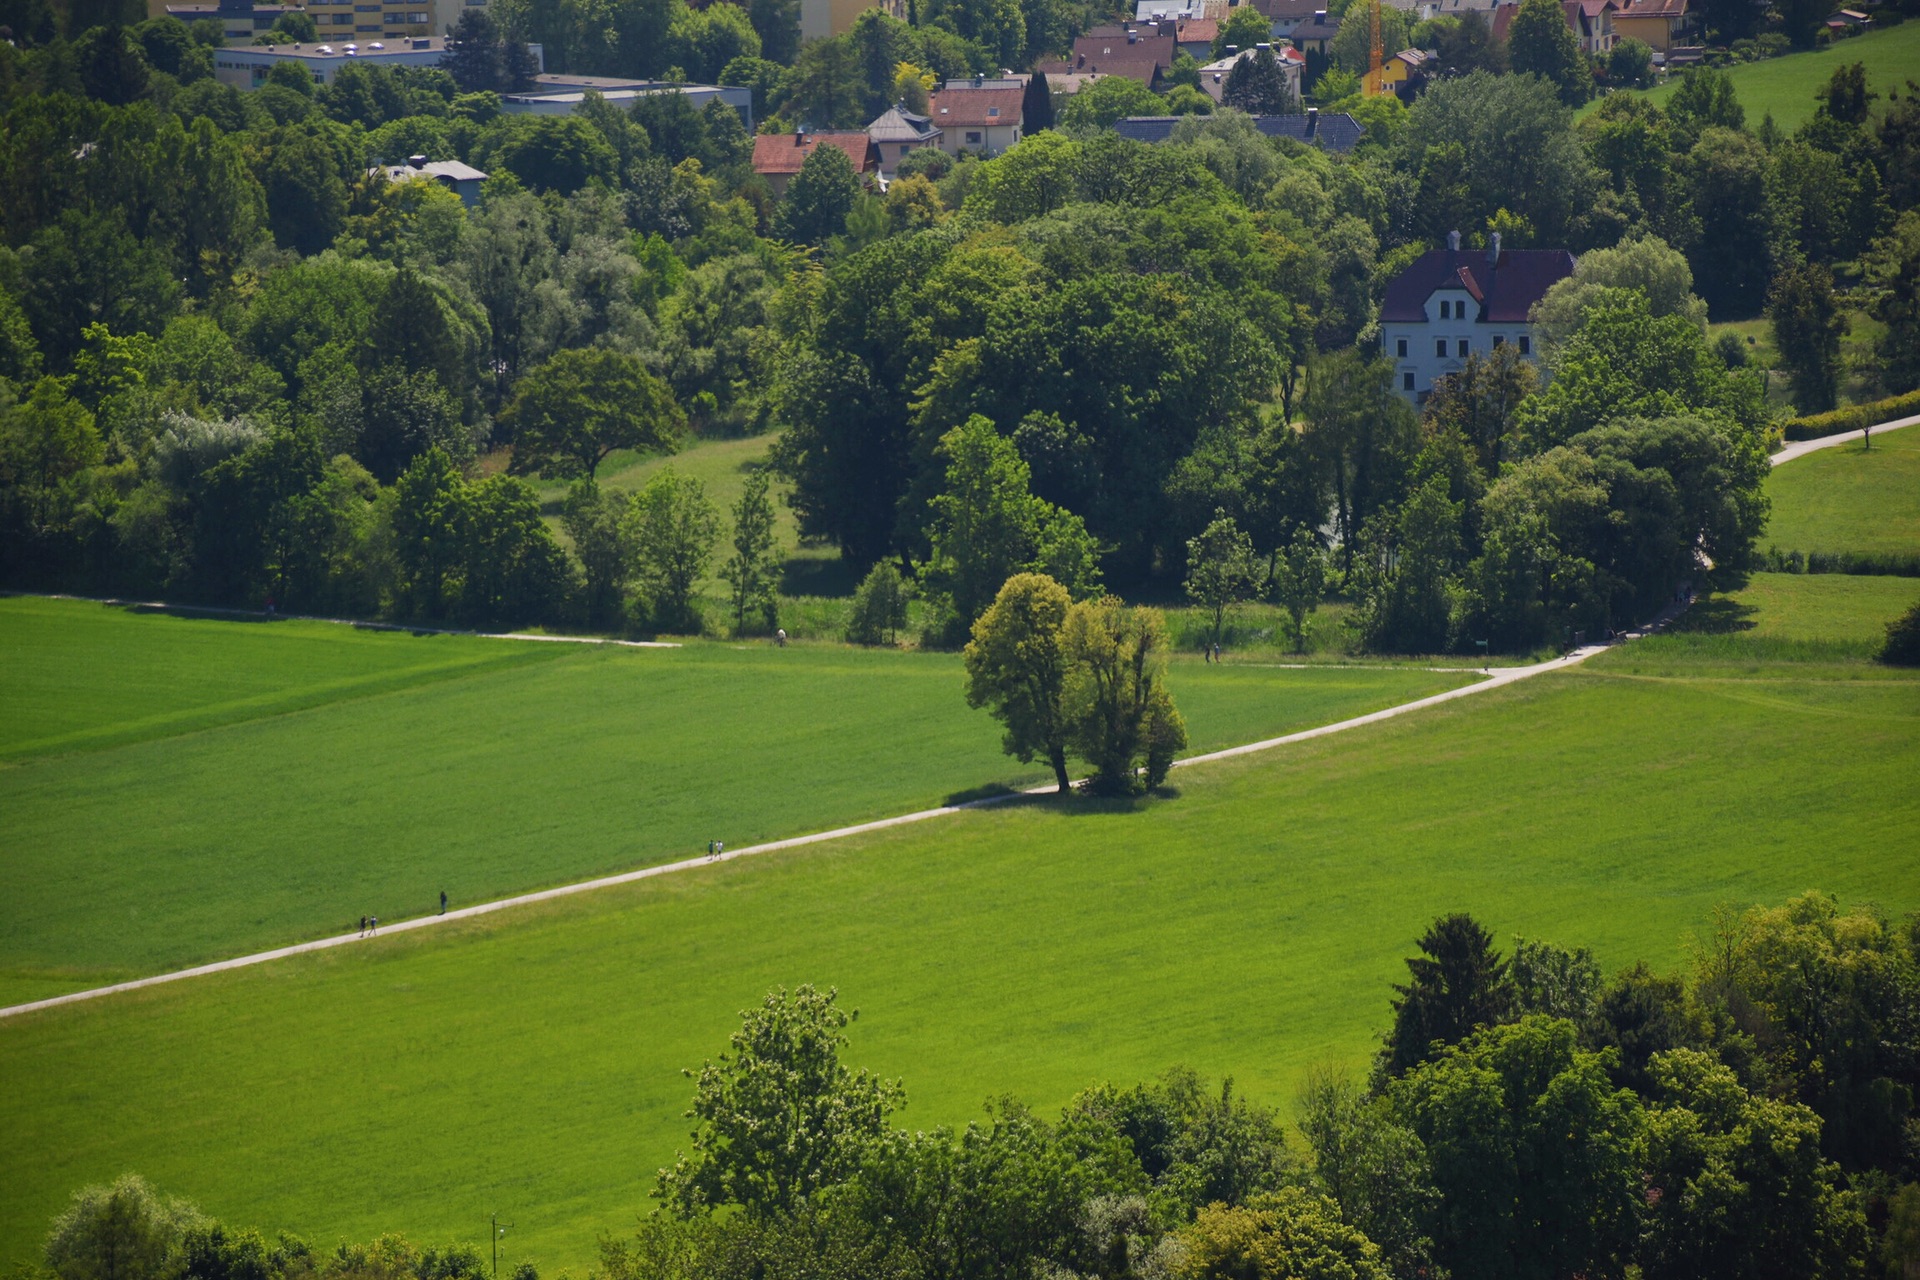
(1857, 498)
(1249, 926)
(1784, 87)
(239, 785)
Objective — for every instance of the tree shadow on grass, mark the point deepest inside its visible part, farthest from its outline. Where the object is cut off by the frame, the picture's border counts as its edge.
(805, 576)
(1719, 616)
(187, 612)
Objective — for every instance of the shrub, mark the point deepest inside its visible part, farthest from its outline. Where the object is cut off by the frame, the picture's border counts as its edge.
(1853, 417)
(1902, 648)
(879, 607)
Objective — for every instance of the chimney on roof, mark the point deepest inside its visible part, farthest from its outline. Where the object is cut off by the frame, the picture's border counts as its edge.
(1453, 242)
(1320, 17)
(1493, 250)
(1313, 121)
(416, 162)
(799, 135)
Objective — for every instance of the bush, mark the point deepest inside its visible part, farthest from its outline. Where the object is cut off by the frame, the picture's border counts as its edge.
(1850, 562)
(879, 607)
(1853, 417)
(1903, 640)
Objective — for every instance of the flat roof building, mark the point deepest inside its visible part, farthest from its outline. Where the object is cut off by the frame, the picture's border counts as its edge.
(462, 179)
(559, 95)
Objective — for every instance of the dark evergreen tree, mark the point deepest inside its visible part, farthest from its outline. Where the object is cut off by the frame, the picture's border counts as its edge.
(474, 56)
(1459, 984)
(818, 199)
(1036, 105)
(1258, 86)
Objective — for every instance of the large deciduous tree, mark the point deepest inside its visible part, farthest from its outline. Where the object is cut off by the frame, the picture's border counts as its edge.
(673, 528)
(1807, 325)
(1221, 569)
(1539, 42)
(780, 1117)
(753, 571)
(1017, 668)
(1120, 718)
(583, 404)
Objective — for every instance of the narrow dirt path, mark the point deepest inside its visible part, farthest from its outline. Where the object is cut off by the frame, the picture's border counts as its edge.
(1497, 678)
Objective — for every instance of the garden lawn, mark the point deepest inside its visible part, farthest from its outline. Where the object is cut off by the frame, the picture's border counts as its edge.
(252, 785)
(1848, 498)
(1786, 85)
(530, 1062)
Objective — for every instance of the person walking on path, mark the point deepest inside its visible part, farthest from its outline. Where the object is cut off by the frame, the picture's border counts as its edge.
(373, 924)
(443, 902)
(363, 926)
(780, 637)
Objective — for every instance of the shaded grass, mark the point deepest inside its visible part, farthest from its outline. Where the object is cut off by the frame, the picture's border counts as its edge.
(1785, 86)
(530, 1062)
(1838, 621)
(1848, 498)
(572, 762)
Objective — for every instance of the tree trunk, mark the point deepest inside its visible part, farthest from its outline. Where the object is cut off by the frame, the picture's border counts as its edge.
(1058, 755)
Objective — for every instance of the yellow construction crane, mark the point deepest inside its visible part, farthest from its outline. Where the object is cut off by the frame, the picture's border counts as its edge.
(1374, 86)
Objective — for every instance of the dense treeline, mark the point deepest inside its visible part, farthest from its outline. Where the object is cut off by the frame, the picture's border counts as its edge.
(235, 368)
(1527, 1116)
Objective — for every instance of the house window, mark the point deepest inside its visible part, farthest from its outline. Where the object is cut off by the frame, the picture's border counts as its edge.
(1401, 348)
(1406, 380)
(1526, 345)
(1440, 347)
(1446, 310)
(973, 137)
(993, 113)
(1499, 341)
(1463, 349)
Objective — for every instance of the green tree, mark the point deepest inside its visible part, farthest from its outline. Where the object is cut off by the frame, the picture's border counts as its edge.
(1736, 1185)
(1362, 434)
(1533, 1150)
(1557, 981)
(1482, 399)
(1893, 270)
(1244, 28)
(1102, 102)
(1017, 667)
(46, 441)
(1630, 63)
(879, 610)
(429, 530)
(1807, 325)
(1221, 569)
(702, 42)
(1374, 1167)
(1458, 983)
(818, 200)
(305, 192)
(1725, 185)
(473, 57)
(1258, 85)
(1406, 573)
(1646, 263)
(1036, 106)
(779, 1118)
(1284, 1235)
(1120, 718)
(583, 404)
(778, 22)
(1299, 581)
(512, 571)
(601, 539)
(125, 1231)
(753, 571)
(1539, 42)
(673, 528)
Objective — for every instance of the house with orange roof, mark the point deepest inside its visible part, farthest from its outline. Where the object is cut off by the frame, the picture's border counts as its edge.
(778, 156)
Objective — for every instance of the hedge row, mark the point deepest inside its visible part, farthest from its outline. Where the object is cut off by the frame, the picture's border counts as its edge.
(1892, 565)
(1853, 417)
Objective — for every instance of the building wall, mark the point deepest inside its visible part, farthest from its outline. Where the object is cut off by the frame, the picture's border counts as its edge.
(247, 68)
(993, 138)
(1423, 361)
(1656, 32)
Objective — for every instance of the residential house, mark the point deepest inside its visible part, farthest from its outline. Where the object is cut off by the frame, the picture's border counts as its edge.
(1177, 10)
(1136, 53)
(1405, 70)
(1314, 35)
(1451, 303)
(898, 133)
(559, 95)
(778, 156)
(247, 66)
(1213, 76)
(972, 117)
(1592, 24)
(1847, 21)
(820, 19)
(1330, 131)
(1194, 36)
(1658, 24)
(240, 20)
(462, 179)
(338, 20)
(1284, 15)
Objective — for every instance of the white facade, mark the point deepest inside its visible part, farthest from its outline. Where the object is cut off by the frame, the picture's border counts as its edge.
(1425, 352)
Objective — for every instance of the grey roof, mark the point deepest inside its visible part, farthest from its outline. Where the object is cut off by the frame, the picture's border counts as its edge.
(1329, 130)
(898, 124)
(442, 170)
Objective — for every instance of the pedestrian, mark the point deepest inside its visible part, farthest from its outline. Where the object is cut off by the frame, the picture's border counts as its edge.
(719, 847)
(363, 926)
(373, 924)
(1206, 652)
(780, 637)
(443, 902)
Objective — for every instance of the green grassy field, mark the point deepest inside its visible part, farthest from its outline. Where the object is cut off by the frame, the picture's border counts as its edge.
(1850, 498)
(530, 1062)
(236, 786)
(1786, 85)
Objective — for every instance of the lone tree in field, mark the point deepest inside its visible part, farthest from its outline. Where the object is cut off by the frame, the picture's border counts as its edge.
(1221, 569)
(1458, 984)
(603, 540)
(1120, 718)
(580, 406)
(1017, 668)
(879, 612)
(781, 1116)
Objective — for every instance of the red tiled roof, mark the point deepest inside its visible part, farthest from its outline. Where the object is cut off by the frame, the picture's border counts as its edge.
(1654, 9)
(1280, 10)
(1195, 30)
(963, 107)
(1502, 19)
(1506, 292)
(784, 153)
